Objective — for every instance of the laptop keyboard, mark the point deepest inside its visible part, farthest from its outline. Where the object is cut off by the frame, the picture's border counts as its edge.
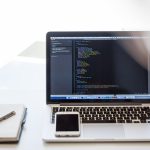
(108, 114)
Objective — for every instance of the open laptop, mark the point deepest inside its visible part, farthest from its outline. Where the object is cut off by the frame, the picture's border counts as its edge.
(105, 77)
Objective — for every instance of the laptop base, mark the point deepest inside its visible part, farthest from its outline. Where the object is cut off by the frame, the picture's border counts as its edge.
(104, 132)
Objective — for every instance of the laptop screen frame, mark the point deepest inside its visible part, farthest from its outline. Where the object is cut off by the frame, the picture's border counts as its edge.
(81, 34)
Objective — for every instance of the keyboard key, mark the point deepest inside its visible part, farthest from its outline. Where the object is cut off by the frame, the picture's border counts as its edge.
(55, 109)
(98, 121)
(128, 121)
(120, 121)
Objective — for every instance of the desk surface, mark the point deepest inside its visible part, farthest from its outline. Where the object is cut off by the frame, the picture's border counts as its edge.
(24, 82)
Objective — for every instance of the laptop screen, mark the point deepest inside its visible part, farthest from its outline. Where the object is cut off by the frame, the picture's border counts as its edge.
(98, 66)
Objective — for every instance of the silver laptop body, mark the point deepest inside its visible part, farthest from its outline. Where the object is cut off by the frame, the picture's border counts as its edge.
(99, 69)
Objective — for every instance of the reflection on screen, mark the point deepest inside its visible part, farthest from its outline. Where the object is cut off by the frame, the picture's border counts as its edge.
(106, 65)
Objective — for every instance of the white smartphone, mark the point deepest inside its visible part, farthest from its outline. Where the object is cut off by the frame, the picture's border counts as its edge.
(67, 124)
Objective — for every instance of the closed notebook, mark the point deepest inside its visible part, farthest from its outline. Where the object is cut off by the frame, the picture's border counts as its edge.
(10, 129)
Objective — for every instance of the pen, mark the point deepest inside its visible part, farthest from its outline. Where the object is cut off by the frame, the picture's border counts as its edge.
(12, 113)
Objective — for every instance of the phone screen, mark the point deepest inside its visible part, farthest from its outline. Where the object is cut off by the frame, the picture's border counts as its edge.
(67, 122)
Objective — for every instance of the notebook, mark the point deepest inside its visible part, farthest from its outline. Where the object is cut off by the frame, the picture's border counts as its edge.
(10, 129)
(105, 77)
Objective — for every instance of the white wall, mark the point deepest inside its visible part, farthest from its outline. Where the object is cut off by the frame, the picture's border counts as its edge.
(23, 22)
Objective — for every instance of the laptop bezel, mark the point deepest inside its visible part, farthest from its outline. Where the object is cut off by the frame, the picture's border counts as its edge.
(81, 34)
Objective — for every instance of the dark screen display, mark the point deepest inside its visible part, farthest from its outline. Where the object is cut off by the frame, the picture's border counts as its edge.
(106, 67)
(100, 65)
(67, 122)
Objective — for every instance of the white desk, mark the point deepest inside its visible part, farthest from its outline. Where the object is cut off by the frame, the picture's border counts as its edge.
(24, 82)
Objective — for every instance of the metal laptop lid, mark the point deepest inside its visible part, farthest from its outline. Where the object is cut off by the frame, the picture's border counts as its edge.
(97, 67)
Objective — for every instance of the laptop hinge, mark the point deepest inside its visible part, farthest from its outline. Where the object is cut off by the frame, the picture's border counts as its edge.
(146, 104)
(99, 104)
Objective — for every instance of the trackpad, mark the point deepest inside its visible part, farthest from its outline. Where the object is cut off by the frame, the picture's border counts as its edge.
(137, 131)
(102, 131)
